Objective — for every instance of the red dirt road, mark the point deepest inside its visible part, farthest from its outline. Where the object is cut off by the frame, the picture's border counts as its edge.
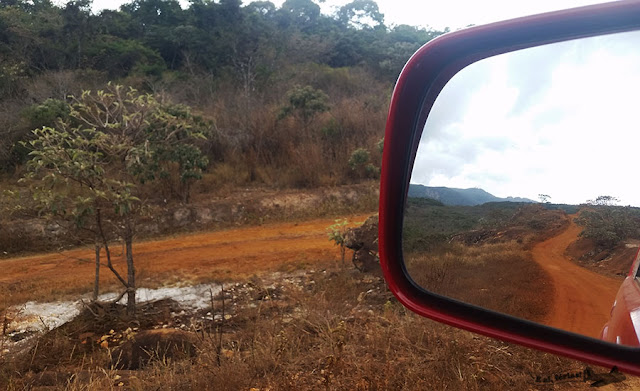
(582, 299)
(222, 255)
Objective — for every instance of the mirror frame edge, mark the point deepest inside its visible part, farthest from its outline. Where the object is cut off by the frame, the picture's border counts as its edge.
(419, 84)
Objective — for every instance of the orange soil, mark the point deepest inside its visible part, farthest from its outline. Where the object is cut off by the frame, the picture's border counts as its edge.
(231, 254)
(582, 299)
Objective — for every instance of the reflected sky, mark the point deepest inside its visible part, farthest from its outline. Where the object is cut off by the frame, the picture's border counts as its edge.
(560, 119)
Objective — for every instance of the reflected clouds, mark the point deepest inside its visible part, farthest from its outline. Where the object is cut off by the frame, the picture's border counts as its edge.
(559, 119)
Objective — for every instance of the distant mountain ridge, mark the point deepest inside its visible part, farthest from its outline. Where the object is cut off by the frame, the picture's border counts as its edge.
(453, 196)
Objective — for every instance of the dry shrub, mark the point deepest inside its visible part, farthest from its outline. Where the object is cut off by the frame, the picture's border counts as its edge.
(499, 276)
(338, 331)
(221, 178)
(60, 84)
(264, 149)
(308, 168)
(339, 337)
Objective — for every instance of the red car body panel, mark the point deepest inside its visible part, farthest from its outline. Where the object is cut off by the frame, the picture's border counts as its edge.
(418, 86)
(623, 327)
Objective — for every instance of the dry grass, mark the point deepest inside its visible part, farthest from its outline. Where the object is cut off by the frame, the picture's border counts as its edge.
(336, 331)
(499, 276)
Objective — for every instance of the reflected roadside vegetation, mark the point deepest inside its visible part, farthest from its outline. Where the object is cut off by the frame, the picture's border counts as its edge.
(482, 254)
(521, 199)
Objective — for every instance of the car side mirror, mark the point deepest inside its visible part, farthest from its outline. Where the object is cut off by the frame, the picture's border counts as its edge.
(461, 72)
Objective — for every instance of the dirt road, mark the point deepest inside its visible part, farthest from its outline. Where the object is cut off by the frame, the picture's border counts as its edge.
(223, 255)
(582, 299)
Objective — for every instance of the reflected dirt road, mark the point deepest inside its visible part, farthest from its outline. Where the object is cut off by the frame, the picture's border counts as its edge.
(582, 299)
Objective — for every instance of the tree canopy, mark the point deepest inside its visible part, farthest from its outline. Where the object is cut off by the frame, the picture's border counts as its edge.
(88, 168)
(146, 36)
(241, 66)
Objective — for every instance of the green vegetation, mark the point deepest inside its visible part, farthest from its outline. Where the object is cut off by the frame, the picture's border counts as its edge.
(337, 233)
(361, 164)
(87, 170)
(290, 92)
(305, 103)
(609, 226)
(453, 196)
(481, 254)
(429, 223)
(604, 200)
(228, 96)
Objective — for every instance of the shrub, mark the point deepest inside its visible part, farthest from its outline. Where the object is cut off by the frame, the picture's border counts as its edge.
(46, 113)
(305, 103)
(337, 233)
(609, 225)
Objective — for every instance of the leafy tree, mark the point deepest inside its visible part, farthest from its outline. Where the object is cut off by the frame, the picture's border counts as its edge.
(176, 135)
(300, 12)
(604, 200)
(149, 13)
(361, 14)
(359, 158)
(119, 57)
(76, 28)
(46, 113)
(90, 168)
(118, 24)
(67, 171)
(360, 163)
(544, 198)
(305, 103)
(263, 8)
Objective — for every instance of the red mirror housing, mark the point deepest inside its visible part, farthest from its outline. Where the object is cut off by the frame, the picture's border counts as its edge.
(419, 84)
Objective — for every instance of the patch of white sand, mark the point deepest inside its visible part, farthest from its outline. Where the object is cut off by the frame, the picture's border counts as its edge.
(37, 317)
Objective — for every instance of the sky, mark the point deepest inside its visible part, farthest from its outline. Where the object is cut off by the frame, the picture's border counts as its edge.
(457, 14)
(437, 14)
(561, 119)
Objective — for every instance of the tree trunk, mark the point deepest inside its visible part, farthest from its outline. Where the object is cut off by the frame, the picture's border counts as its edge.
(105, 243)
(186, 191)
(96, 281)
(131, 271)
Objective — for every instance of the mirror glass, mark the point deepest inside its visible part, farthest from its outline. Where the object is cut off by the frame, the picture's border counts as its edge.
(524, 196)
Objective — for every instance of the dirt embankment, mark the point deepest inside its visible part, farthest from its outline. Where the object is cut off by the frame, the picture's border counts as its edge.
(609, 262)
(582, 298)
(224, 255)
(22, 235)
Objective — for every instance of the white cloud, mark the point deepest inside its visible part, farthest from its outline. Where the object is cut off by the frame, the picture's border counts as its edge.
(566, 124)
(457, 13)
(437, 14)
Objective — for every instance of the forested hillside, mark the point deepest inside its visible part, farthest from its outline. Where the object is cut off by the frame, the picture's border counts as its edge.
(453, 196)
(286, 97)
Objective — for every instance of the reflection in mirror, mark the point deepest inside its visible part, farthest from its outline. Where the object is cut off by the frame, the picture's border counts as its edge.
(524, 196)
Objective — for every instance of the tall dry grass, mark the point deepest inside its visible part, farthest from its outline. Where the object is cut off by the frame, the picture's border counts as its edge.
(338, 331)
(499, 276)
(249, 138)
